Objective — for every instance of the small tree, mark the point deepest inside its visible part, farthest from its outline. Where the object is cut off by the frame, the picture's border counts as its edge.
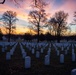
(9, 20)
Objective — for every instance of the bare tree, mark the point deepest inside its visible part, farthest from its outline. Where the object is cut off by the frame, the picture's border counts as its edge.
(1, 34)
(38, 19)
(52, 25)
(40, 4)
(36, 3)
(59, 23)
(9, 19)
(15, 1)
(75, 17)
(2, 2)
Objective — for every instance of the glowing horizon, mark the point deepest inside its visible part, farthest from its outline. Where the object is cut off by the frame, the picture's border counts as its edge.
(68, 6)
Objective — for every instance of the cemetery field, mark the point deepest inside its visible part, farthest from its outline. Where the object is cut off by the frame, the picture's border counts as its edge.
(44, 58)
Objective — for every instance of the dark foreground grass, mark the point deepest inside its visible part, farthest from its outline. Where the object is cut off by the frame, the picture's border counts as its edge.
(15, 66)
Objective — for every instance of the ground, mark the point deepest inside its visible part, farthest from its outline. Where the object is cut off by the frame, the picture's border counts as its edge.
(15, 66)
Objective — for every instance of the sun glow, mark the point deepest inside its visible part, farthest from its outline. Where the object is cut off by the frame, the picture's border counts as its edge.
(68, 6)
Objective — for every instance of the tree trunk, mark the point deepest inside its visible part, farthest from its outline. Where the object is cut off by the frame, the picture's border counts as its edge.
(9, 38)
(59, 33)
(58, 38)
(9, 35)
(38, 33)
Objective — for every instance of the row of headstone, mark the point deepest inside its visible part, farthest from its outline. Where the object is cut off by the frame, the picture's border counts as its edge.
(12, 43)
(37, 54)
(27, 62)
(24, 54)
(27, 58)
(61, 58)
(5, 44)
(8, 54)
(56, 49)
(47, 57)
(73, 72)
(73, 57)
(4, 49)
(13, 49)
(73, 53)
(35, 47)
(47, 60)
(67, 50)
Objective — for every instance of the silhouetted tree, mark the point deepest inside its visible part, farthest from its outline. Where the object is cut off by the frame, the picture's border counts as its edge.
(38, 16)
(40, 4)
(38, 19)
(9, 20)
(36, 3)
(74, 20)
(52, 25)
(75, 17)
(48, 36)
(1, 34)
(16, 1)
(28, 37)
(2, 2)
(59, 23)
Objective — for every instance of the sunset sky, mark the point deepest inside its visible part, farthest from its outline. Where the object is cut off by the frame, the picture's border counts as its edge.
(68, 6)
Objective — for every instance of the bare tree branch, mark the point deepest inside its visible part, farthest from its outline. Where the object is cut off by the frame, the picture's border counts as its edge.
(9, 18)
(2, 2)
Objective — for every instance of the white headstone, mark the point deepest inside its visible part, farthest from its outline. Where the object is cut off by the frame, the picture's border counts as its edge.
(73, 56)
(48, 52)
(66, 52)
(73, 72)
(24, 55)
(72, 46)
(33, 51)
(3, 49)
(73, 50)
(58, 53)
(61, 58)
(4, 38)
(8, 56)
(37, 54)
(62, 48)
(27, 62)
(42, 50)
(47, 60)
(49, 49)
(11, 52)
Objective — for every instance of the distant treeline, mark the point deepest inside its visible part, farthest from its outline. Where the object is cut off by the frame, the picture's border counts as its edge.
(42, 37)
